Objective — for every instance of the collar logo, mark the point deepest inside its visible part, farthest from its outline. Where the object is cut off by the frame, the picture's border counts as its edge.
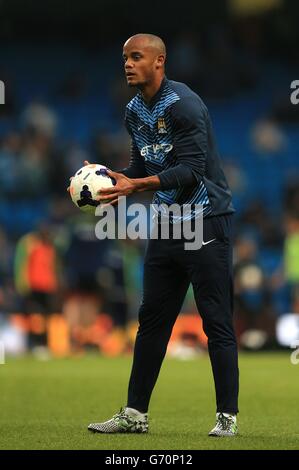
(161, 126)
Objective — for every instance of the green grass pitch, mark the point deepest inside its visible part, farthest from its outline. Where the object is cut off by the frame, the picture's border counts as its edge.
(48, 405)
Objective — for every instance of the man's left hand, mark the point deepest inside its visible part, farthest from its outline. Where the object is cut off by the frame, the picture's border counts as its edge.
(124, 187)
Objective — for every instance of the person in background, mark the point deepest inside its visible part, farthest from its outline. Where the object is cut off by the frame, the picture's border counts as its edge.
(37, 281)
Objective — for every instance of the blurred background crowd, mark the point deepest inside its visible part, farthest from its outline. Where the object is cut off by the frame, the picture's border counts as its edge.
(63, 291)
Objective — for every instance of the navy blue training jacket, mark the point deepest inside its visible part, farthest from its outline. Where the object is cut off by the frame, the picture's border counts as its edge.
(172, 137)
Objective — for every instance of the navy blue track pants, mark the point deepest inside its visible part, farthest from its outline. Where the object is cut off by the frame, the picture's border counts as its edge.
(168, 271)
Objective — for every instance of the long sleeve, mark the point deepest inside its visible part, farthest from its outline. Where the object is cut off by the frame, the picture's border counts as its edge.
(136, 168)
(189, 123)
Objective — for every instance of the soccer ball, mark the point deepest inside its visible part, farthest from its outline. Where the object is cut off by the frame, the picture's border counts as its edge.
(85, 185)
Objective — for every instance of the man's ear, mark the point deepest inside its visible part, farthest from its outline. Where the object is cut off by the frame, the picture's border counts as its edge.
(160, 61)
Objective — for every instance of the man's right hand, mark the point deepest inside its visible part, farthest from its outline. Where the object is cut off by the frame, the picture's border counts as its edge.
(86, 162)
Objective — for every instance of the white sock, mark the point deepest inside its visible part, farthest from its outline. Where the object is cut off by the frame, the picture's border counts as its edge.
(134, 413)
(228, 415)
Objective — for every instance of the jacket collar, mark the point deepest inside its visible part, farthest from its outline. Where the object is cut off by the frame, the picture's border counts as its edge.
(158, 95)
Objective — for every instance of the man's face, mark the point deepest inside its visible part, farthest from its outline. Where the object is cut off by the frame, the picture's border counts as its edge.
(141, 62)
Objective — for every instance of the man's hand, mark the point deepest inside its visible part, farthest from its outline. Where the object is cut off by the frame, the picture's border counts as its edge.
(124, 187)
(85, 163)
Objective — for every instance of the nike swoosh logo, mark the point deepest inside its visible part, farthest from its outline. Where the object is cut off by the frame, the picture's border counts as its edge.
(140, 127)
(210, 241)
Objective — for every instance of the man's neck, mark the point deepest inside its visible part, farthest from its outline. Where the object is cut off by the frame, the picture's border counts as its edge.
(149, 91)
